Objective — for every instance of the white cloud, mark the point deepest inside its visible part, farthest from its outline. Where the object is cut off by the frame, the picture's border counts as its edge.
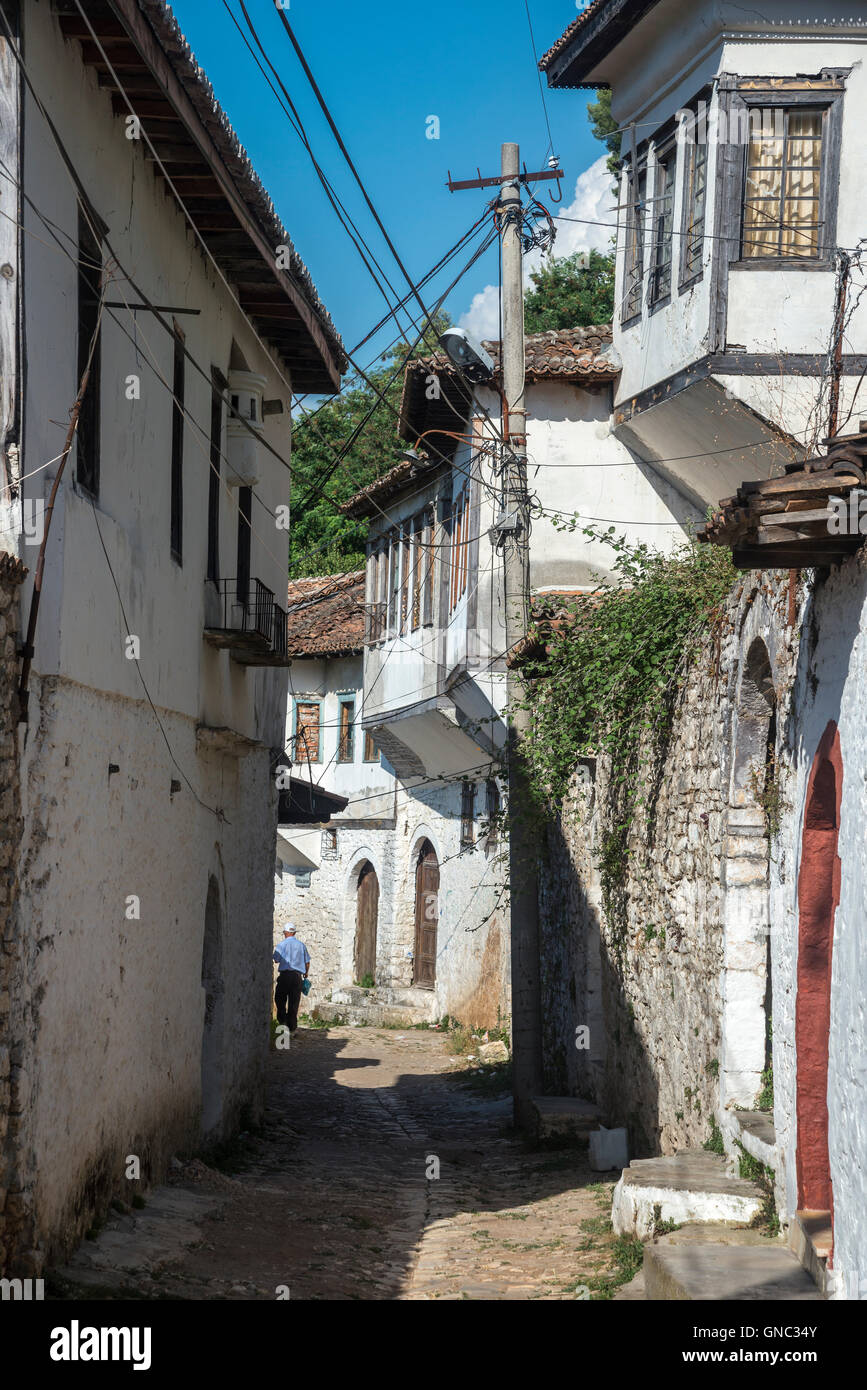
(482, 319)
(593, 204)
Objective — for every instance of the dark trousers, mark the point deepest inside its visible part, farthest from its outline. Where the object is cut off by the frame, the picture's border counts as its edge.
(287, 997)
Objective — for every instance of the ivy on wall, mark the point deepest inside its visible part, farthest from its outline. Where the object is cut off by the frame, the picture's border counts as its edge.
(607, 684)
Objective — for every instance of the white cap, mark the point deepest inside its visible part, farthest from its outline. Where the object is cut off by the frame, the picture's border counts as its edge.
(289, 927)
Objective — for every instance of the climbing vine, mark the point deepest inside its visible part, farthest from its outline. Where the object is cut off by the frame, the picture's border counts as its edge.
(608, 681)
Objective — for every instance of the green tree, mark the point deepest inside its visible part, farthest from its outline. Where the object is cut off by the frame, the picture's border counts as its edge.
(322, 540)
(605, 127)
(573, 291)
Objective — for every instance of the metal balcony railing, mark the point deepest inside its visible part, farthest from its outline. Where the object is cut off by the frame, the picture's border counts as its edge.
(244, 617)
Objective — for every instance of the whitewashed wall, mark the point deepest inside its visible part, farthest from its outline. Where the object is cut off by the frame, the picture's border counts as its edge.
(111, 1008)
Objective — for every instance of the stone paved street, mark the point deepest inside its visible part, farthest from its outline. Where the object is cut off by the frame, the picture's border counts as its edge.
(332, 1200)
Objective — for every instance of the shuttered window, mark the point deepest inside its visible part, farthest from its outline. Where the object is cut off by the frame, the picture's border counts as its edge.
(307, 731)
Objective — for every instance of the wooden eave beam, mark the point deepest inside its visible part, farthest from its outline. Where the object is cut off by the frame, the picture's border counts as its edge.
(133, 21)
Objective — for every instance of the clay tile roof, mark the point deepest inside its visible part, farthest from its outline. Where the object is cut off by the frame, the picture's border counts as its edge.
(552, 612)
(326, 615)
(12, 570)
(368, 501)
(565, 354)
(566, 38)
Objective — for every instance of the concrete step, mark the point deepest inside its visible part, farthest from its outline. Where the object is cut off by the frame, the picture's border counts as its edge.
(758, 1136)
(704, 1263)
(811, 1240)
(565, 1116)
(689, 1186)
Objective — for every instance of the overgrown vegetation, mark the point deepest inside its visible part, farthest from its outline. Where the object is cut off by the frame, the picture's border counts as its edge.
(714, 1144)
(767, 1218)
(608, 682)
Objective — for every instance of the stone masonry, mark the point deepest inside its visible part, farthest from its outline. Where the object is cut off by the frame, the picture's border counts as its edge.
(648, 982)
(12, 1081)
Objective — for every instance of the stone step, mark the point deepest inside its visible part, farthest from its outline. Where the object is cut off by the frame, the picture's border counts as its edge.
(686, 1187)
(564, 1116)
(373, 1014)
(732, 1272)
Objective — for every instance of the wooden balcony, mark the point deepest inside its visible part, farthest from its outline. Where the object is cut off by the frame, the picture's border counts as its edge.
(808, 518)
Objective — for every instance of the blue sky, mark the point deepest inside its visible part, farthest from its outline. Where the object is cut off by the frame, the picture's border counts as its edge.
(384, 68)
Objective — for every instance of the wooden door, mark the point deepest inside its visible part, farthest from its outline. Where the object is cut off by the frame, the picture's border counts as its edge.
(427, 883)
(367, 912)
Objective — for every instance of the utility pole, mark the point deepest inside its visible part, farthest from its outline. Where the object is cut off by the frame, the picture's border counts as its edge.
(523, 854)
(515, 533)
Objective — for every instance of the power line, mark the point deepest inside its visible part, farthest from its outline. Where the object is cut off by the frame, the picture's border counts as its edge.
(550, 149)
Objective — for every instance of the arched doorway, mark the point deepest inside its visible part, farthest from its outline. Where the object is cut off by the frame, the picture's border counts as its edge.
(366, 917)
(212, 1028)
(427, 885)
(818, 897)
(751, 823)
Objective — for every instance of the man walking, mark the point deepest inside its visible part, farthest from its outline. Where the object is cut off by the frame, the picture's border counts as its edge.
(293, 958)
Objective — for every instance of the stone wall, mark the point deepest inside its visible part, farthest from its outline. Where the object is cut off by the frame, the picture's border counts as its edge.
(650, 975)
(14, 1234)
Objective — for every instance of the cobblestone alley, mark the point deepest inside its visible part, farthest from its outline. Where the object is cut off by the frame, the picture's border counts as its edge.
(332, 1200)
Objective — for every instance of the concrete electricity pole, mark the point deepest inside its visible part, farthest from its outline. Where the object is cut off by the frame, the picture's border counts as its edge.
(523, 853)
(515, 533)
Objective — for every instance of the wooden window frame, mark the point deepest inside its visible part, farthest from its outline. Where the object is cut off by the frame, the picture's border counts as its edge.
(468, 814)
(368, 756)
(661, 266)
(459, 549)
(830, 103)
(245, 537)
(690, 273)
(343, 702)
(311, 700)
(179, 363)
(633, 260)
(89, 293)
(415, 579)
(393, 612)
(218, 383)
(404, 534)
(429, 554)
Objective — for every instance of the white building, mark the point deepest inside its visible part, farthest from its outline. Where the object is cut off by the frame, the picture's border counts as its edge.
(137, 1013)
(433, 687)
(743, 135)
(393, 872)
(742, 329)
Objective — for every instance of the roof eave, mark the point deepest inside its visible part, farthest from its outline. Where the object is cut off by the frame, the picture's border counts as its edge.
(576, 63)
(309, 344)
